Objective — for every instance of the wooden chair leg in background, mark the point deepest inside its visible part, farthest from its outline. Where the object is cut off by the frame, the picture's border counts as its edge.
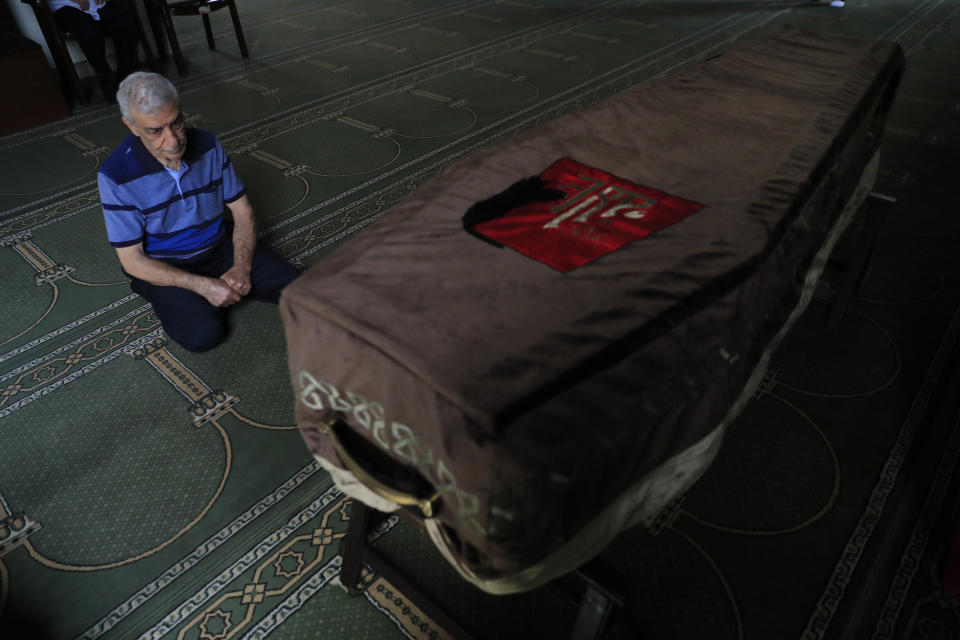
(594, 588)
(238, 30)
(203, 8)
(178, 58)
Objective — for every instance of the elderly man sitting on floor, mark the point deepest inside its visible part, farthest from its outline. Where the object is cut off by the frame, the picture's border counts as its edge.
(164, 191)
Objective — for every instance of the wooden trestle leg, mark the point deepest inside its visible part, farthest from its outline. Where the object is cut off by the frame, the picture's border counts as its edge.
(596, 603)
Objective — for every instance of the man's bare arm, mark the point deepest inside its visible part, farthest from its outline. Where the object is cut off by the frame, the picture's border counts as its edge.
(138, 264)
(244, 242)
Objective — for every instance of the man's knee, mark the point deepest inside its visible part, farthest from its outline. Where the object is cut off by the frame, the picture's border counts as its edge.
(271, 274)
(200, 337)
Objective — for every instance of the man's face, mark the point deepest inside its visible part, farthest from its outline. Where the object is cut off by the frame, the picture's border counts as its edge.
(162, 133)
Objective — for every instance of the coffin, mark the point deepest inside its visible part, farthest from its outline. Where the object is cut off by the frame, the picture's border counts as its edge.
(527, 414)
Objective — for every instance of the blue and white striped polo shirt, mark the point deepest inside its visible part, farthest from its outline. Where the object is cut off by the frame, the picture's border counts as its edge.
(144, 202)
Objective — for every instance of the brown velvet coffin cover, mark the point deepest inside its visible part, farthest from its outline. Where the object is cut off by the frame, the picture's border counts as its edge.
(531, 398)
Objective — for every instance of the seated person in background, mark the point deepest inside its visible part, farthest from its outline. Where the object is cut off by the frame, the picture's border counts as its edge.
(90, 22)
(163, 192)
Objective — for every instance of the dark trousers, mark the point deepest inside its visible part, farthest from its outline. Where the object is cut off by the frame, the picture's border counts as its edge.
(193, 322)
(91, 36)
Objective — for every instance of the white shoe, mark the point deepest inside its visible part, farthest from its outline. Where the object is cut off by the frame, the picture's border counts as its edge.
(836, 3)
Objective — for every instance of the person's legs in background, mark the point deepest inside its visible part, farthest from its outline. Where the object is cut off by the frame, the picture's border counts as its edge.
(90, 36)
(122, 27)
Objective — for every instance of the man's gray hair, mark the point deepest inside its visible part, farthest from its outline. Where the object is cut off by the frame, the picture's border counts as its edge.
(145, 92)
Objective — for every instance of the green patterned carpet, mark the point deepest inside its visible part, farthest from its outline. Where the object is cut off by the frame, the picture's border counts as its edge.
(147, 492)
